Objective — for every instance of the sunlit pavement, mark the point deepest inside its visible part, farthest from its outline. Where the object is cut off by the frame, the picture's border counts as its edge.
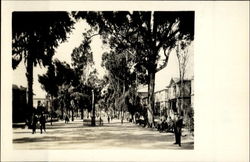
(114, 135)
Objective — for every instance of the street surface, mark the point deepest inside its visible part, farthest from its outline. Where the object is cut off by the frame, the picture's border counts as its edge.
(114, 135)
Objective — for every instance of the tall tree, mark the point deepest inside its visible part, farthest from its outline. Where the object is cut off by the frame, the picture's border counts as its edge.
(182, 57)
(35, 35)
(65, 78)
(182, 52)
(146, 34)
(119, 66)
(82, 61)
(57, 81)
(49, 84)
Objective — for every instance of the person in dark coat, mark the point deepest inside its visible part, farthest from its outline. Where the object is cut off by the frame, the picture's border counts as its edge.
(42, 123)
(101, 121)
(34, 122)
(177, 128)
(40, 107)
(108, 119)
(66, 119)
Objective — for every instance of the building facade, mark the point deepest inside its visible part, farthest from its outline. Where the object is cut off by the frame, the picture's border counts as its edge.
(161, 102)
(180, 97)
(172, 99)
(177, 97)
(19, 104)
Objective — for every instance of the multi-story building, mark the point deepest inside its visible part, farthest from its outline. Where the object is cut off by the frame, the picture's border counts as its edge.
(180, 99)
(172, 99)
(161, 102)
(172, 96)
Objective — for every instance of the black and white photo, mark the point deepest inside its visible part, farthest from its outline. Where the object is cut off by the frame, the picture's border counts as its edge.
(126, 84)
(124, 80)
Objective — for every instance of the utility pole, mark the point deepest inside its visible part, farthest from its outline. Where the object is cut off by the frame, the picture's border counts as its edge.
(93, 109)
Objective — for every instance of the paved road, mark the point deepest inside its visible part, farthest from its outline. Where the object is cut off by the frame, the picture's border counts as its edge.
(115, 135)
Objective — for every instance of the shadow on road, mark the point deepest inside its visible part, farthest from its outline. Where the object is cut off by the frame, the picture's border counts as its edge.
(113, 135)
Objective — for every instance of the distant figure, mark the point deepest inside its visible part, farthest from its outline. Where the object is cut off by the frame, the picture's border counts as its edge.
(170, 124)
(40, 107)
(34, 122)
(101, 121)
(42, 123)
(160, 125)
(108, 119)
(66, 119)
(177, 128)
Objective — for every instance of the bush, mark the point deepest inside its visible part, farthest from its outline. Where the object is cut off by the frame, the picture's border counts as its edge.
(190, 120)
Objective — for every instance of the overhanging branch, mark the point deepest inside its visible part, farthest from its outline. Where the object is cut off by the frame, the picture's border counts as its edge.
(166, 54)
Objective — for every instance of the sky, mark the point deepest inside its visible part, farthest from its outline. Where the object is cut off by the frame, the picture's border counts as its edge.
(63, 53)
(163, 77)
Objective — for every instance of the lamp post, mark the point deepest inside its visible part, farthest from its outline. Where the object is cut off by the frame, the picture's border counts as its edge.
(93, 109)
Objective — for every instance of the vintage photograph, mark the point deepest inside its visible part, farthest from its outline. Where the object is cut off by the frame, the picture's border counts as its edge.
(124, 81)
(103, 79)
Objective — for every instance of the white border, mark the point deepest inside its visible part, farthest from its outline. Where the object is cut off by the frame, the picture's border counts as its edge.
(221, 82)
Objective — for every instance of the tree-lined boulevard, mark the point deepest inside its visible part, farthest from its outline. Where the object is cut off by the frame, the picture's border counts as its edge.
(139, 45)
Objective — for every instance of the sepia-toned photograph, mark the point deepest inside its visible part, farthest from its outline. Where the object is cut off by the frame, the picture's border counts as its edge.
(124, 81)
(103, 79)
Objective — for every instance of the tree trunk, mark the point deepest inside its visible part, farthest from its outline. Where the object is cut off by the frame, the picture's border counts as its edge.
(181, 96)
(181, 74)
(62, 110)
(29, 75)
(122, 106)
(152, 70)
(93, 109)
(150, 110)
(118, 111)
(51, 110)
(72, 113)
(81, 112)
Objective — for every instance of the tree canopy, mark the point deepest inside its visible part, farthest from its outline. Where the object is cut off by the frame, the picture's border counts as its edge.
(143, 34)
(35, 35)
(38, 34)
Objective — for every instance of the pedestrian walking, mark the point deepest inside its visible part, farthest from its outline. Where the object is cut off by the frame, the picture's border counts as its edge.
(101, 121)
(34, 122)
(177, 128)
(108, 119)
(66, 119)
(42, 123)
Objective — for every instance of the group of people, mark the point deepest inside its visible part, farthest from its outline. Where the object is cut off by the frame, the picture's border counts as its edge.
(170, 125)
(176, 125)
(38, 116)
(165, 124)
